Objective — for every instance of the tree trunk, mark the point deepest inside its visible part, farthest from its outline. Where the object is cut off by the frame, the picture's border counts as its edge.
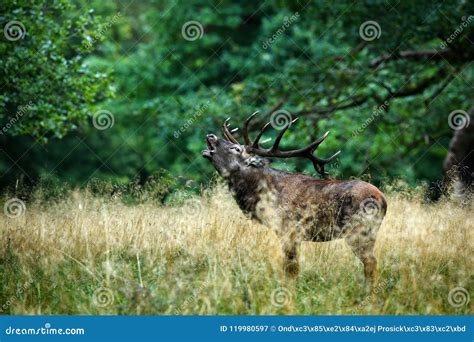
(458, 168)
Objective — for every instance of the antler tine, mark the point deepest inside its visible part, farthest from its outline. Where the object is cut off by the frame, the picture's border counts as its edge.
(318, 141)
(320, 163)
(257, 139)
(328, 160)
(245, 129)
(276, 144)
(227, 133)
(311, 147)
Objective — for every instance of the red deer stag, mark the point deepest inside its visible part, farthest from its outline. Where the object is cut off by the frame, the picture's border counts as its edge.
(299, 207)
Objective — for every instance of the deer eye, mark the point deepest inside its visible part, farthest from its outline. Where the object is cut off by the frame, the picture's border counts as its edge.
(236, 148)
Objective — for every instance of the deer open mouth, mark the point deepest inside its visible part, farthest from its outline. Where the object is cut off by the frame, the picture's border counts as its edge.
(210, 138)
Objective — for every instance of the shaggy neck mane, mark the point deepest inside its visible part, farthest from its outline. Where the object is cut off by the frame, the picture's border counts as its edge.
(247, 184)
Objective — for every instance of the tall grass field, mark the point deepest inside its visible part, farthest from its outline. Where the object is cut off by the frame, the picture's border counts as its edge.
(87, 254)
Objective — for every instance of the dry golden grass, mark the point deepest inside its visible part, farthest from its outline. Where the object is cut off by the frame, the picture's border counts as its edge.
(87, 255)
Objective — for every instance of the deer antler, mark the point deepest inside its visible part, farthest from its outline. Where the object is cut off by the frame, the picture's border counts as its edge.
(274, 151)
(228, 134)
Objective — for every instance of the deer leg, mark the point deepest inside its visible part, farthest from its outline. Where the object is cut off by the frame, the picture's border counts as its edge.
(291, 262)
(290, 245)
(363, 248)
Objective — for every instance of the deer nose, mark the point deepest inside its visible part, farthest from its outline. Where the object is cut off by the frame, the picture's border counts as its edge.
(211, 138)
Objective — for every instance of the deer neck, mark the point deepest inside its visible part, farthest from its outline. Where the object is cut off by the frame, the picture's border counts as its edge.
(247, 186)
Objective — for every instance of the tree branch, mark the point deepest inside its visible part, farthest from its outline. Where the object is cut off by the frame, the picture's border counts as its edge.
(447, 54)
(353, 52)
(331, 109)
(419, 88)
(403, 92)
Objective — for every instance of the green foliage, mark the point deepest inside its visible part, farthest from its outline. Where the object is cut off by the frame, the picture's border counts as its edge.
(48, 88)
(155, 188)
(171, 91)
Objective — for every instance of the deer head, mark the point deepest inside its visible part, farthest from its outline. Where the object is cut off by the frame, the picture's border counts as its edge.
(229, 155)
